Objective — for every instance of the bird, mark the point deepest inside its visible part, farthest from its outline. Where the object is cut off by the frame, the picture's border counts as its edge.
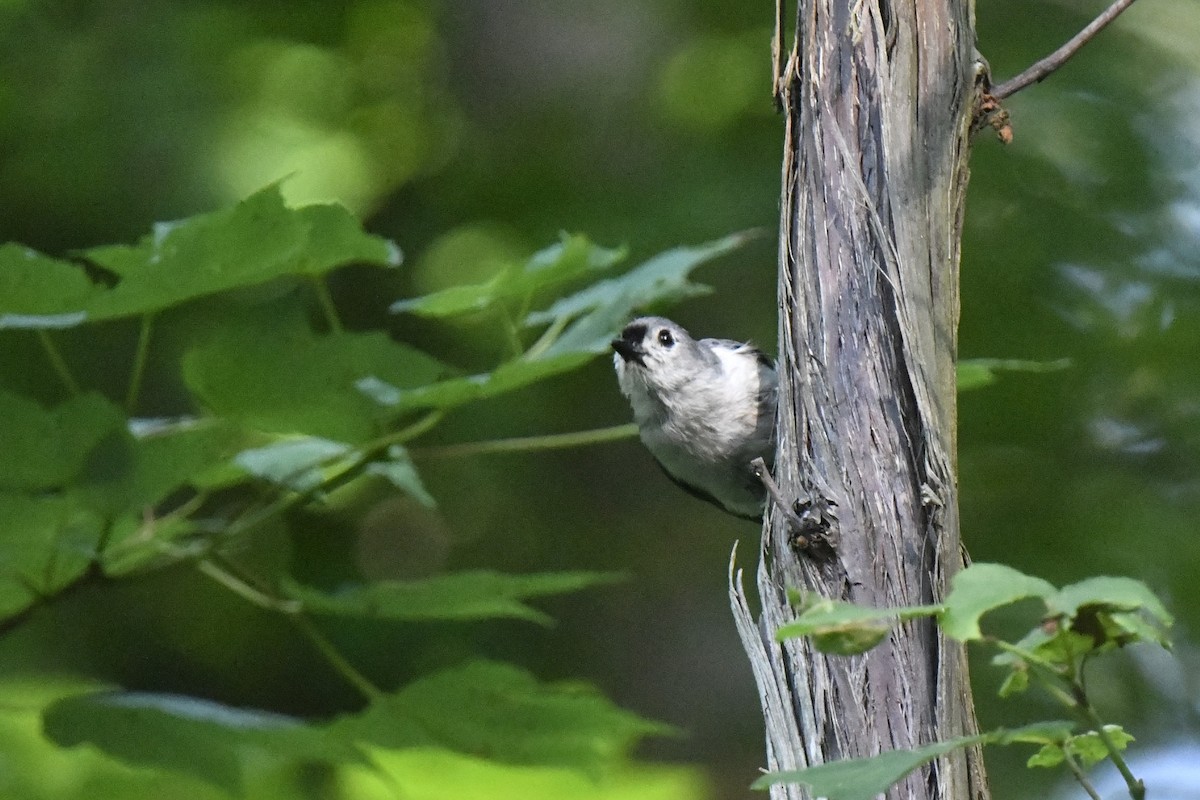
(704, 409)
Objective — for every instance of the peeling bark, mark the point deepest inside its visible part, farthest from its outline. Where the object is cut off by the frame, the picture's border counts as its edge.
(878, 97)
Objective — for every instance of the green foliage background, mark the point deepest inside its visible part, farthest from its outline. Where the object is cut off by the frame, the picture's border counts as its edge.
(471, 134)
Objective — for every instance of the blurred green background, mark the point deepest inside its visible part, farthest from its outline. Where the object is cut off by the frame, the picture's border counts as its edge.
(473, 132)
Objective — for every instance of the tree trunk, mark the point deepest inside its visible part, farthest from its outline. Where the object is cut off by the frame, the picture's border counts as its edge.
(878, 97)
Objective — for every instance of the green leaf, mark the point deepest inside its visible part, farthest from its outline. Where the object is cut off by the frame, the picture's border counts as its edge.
(1113, 609)
(46, 542)
(845, 628)
(500, 712)
(433, 773)
(1051, 730)
(135, 542)
(273, 373)
(455, 392)
(459, 596)
(1123, 593)
(37, 291)
(571, 258)
(1090, 749)
(1051, 643)
(1087, 748)
(399, 470)
(1016, 682)
(84, 438)
(174, 454)
(598, 312)
(975, 373)
(258, 240)
(1050, 755)
(981, 588)
(865, 778)
(297, 463)
(207, 740)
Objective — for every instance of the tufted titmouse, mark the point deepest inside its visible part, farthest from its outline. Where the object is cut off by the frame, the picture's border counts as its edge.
(705, 409)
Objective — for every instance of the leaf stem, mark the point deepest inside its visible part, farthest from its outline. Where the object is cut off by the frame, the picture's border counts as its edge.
(1050, 63)
(325, 300)
(511, 332)
(359, 457)
(209, 568)
(1077, 771)
(335, 658)
(1076, 700)
(139, 362)
(548, 337)
(525, 444)
(57, 362)
(1137, 789)
(224, 574)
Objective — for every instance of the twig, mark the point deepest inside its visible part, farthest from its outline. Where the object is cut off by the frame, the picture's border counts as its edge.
(57, 362)
(1137, 789)
(226, 575)
(139, 362)
(1050, 63)
(328, 308)
(760, 469)
(1080, 777)
(525, 444)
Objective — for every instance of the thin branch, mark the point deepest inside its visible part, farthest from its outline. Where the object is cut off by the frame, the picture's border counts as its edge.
(1050, 63)
(328, 308)
(335, 658)
(760, 469)
(244, 590)
(139, 362)
(225, 573)
(525, 444)
(1137, 789)
(1079, 775)
(57, 362)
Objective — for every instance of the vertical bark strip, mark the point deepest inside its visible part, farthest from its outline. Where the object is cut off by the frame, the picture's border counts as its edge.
(878, 98)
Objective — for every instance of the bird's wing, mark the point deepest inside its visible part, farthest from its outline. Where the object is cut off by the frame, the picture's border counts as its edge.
(729, 344)
(697, 492)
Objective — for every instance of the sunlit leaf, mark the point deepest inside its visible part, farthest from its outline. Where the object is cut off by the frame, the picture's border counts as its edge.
(1015, 682)
(458, 596)
(1050, 755)
(975, 373)
(256, 241)
(434, 772)
(201, 738)
(251, 243)
(1090, 748)
(846, 629)
(501, 712)
(455, 392)
(596, 313)
(572, 258)
(981, 588)
(399, 470)
(296, 463)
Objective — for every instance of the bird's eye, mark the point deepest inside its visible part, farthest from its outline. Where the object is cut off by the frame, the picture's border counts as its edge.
(665, 338)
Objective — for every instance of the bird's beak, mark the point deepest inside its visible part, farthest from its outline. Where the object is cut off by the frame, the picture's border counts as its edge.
(630, 351)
